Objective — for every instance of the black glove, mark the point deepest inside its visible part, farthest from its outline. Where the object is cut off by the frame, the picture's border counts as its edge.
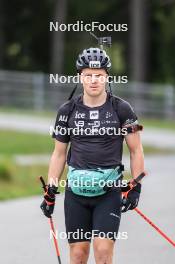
(48, 204)
(131, 201)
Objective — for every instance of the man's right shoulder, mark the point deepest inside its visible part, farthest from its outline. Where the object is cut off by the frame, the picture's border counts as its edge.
(69, 105)
(66, 107)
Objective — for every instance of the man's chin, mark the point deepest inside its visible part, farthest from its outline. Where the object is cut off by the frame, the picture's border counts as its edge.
(94, 93)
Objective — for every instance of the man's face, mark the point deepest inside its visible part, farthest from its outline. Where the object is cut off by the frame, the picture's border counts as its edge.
(94, 81)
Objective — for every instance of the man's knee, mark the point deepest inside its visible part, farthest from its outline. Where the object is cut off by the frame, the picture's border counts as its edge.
(104, 251)
(79, 254)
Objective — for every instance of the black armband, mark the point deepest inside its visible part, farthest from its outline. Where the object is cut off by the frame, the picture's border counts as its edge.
(134, 128)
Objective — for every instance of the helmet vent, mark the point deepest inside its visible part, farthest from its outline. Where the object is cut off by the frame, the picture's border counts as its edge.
(93, 57)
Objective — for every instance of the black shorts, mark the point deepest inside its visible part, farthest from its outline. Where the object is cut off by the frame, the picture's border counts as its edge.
(89, 217)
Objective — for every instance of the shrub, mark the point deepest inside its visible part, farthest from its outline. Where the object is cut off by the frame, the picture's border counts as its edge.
(5, 171)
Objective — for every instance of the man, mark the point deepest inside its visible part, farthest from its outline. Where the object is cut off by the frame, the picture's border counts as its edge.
(95, 153)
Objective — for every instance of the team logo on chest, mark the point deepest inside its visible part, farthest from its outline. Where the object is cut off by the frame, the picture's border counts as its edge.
(79, 115)
(79, 123)
(63, 118)
(108, 114)
(94, 114)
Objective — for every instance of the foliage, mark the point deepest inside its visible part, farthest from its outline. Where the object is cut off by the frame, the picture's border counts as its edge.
(28, 42)
(6, 170)
(162, 43)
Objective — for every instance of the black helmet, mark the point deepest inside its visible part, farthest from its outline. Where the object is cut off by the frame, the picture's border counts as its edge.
(94, 58)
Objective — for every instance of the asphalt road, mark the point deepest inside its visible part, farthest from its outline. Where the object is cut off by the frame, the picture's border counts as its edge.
(24, 232)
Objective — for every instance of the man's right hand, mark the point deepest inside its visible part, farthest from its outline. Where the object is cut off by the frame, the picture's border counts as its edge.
(131, 200)
(48, 204)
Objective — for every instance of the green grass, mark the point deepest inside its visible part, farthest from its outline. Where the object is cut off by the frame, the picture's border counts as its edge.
(8, 110)
(158, 123)
(24, 182)
(150, 150)
(20, 181)
(147, 122)
(12, 142)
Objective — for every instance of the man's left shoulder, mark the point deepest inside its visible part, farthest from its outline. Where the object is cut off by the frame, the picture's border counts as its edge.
(121, 104)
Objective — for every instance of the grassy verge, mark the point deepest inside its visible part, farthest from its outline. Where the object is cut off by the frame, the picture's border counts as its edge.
(13, 142)
(27, 112)
(23, 182)
(147, 122)
(158, 123)
(20, 181)
(150, 150)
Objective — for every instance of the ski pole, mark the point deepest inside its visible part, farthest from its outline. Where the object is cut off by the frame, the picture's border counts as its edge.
(55, 240)
(155, 227)
(52, 225)
(131, 185)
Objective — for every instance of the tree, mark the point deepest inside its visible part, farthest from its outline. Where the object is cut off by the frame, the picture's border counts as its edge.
(1, 34)
(58, 39)
(139, 39)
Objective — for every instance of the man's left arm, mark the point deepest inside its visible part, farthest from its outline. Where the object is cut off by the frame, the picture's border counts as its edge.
(128, 120)
(134, 144)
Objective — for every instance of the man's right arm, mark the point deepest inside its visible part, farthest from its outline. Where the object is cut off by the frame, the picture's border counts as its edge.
(57, 162)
